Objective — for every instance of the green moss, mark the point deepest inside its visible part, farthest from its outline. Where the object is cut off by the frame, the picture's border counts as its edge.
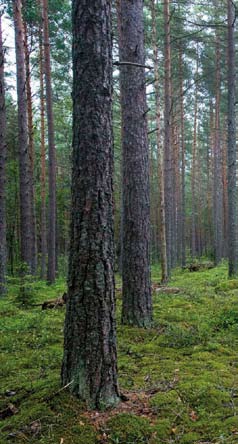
(201, 394)
(164, 402)
(163, 429)
(84, 433)
(190, 356)
(189, 438)
(227, 285)
(129, 429)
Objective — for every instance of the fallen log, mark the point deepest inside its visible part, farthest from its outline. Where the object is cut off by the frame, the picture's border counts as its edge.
(53, 303)
(199, 267)
(168, 290)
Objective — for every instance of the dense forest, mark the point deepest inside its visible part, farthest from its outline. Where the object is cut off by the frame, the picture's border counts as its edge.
(118, 222)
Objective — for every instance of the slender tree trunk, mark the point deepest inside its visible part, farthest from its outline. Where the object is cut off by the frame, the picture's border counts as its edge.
(89, 363)
(31, 147)
(217, 189)
(168, 167)
(43, 163)
(3, 154)
(23, 142)
(176, 193)
(51, 144)
(210, 182)
(231, 145)
(164, 266)
(183, 165)
(194, 164)
(199, 247)
(137, 304)
(225, 195)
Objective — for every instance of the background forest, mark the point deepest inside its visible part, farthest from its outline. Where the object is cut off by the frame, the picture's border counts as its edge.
(177, 369)
(198, 47)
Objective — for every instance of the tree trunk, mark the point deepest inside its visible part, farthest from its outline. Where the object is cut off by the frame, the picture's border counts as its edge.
(217, 189)
(23, 143)
(89, 363)
(51, 144)
(194, 165)
(137, 305)
(168, 167)
(183, 165)
(231, 145)
(225, 195)
(43, 166)
(31, 147)
(3, 155)
(164, 266)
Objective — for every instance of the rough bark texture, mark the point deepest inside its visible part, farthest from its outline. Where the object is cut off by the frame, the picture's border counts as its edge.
(224, 184)
(3, 154)
(23, 143)
(89, 362)
(163, 246)
(51, 150)
(31, 146)
(137, 305)
(43, 164)
(168, 168)
(231, 146)
(217, 188)
(183, 165)
(194, 169)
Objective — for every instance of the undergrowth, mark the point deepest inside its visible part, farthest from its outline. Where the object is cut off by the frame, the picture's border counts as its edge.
(188, 362)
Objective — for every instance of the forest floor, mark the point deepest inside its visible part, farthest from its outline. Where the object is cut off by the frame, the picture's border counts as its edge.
(180, 377)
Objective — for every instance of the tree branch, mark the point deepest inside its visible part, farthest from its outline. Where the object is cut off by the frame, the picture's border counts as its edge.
(139, 65)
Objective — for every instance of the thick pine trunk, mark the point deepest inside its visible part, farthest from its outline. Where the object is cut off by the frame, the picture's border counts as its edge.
(51, 150)
(43, 163)
(163, 246)
(23, 142)
(231, 145)
(89, 362)
(3, 154)
(137, 305)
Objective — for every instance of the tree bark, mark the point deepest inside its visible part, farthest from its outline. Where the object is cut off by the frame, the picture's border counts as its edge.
(194, 165)
(137, 304)
(3, 155)
(183, 164)
(43, 161)
(231, 145)
(89, 362)
(51, 145)
(23, 142)
(168, 167)
(217, 188)
(31, 146)
(224, 184)
(164, 266)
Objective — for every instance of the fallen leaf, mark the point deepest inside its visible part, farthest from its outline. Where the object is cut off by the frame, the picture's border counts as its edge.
(193, 415)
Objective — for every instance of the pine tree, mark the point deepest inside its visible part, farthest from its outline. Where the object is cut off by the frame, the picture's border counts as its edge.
(231, 146)
(136, 291)
(26, 237)
(3, 154)
(51, 146)
(89, 363)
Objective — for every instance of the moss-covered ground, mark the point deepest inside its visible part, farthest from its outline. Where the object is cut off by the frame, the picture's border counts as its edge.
(181, 377)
